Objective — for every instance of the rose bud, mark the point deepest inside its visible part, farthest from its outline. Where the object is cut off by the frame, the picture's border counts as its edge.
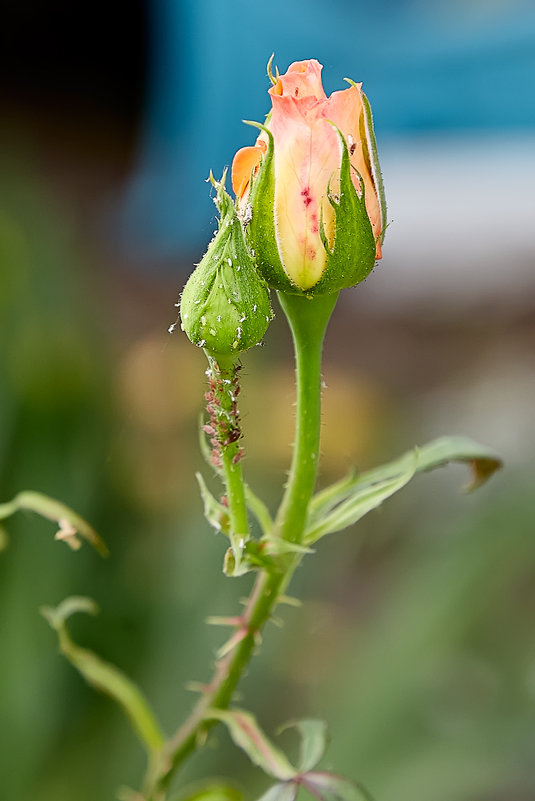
(310, 190)
(225, 305)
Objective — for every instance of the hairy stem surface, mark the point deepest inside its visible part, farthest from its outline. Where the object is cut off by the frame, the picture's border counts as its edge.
(308, 321)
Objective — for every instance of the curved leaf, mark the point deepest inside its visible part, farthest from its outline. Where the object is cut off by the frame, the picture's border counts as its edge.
(359, 503)
(103, 676)
(70, 523)
(259, 509)
(481, 460)
(214, 511)
(313, 741)
(345, 502)
(330, 787)
(215, 790)
(281, 792)
(248, 736)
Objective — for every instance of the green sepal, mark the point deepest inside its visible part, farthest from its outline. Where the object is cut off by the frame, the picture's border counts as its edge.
(352, 255)
(371, 155)
(225, 305)
(236, 562)
(253, 556)
(257, 557)
(272, 78)
(260, 555)
(259, 222)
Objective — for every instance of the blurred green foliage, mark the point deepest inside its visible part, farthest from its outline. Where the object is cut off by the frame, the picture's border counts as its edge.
(416, 639)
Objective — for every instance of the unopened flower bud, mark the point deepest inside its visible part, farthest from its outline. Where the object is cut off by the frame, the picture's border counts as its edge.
(225, 305)
(310, 190)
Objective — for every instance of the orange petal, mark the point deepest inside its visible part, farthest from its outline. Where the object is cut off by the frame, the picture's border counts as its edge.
(245, 162)
(346, 110)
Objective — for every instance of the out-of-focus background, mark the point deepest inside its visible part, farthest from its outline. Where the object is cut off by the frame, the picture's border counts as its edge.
(416, 643)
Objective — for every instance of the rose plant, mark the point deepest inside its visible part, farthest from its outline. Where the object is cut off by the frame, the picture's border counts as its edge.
(307, 221)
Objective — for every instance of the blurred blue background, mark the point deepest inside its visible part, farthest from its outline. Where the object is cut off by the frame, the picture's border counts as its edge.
(429, 67)
(416, 642)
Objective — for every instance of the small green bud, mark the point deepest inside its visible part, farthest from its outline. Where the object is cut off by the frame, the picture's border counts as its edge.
(225, 305)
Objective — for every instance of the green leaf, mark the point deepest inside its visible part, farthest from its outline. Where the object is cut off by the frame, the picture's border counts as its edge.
(326, 499)
(248, 736)
(70, 606)
(259, 509)
(281, 792)
(276, 546)
(330, 787)
(103, 676)
(214, 790)
(216, 514)
(358, 504)
(482, 461)
(313, 741)
(351, 498)
(70, 523)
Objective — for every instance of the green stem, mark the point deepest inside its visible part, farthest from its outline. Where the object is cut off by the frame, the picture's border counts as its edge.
(224, 425)
(308, 322)
(237, 507)
(218, 694)
(9, 508)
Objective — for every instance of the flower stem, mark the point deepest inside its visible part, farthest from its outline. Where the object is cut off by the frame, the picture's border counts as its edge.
(308, 322)
(218, 694)
(224, 429)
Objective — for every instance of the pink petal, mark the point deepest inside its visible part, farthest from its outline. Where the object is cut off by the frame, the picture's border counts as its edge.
(302, 79)
(307, 154)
